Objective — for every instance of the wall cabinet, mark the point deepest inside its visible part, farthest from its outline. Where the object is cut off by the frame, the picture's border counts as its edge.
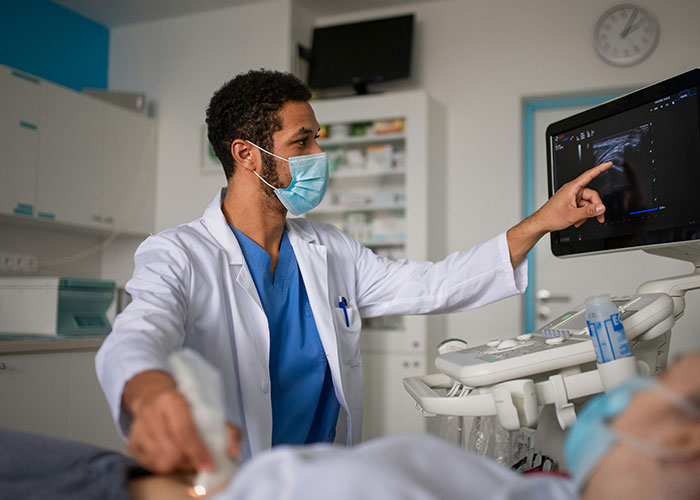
(70, 156)
(56, 394)
(19, 141)
(128, 170)
(387, 190)
(73, 159)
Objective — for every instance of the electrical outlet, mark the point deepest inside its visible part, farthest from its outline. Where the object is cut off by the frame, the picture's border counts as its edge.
(18, 262)
(7, 262)
(31, 263)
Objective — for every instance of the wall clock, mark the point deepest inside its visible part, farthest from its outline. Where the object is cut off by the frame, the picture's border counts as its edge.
(626, 34)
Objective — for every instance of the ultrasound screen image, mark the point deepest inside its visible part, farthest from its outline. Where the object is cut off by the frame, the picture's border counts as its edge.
(628, 186)
(651, 192)
(616, 147)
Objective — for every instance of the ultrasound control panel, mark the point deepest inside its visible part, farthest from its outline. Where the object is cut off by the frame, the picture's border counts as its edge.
(561, 343)
(519, 348)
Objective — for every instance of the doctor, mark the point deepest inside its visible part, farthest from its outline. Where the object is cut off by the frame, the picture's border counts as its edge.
(275, 303)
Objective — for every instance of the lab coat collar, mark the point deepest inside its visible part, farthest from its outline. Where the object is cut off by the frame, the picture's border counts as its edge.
(216, 223)
(294, 227)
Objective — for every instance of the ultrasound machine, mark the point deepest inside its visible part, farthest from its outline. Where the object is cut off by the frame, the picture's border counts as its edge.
(529, 387)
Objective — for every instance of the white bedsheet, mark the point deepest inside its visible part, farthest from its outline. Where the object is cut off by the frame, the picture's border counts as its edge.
(407, 467)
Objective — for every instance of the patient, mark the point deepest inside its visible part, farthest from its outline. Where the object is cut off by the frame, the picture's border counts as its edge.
(658, 455)
(653, 451)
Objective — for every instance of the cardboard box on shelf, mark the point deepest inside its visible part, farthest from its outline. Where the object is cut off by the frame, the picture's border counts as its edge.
(379, 156)
(388, 126)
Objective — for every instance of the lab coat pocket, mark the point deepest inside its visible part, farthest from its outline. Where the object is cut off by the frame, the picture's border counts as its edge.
(348, 335)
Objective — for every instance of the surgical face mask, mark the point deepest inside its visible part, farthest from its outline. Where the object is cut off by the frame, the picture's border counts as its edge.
(591, 438)
(309, 181)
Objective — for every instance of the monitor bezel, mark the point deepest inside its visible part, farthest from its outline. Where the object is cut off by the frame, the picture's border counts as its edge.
(609, 108)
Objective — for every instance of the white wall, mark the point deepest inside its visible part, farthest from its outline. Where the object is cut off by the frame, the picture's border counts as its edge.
(480, 58)
(179, 63)
(302, 23)
(50, 243)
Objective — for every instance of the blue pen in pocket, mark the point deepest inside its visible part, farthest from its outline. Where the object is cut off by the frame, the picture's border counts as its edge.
(343, 304)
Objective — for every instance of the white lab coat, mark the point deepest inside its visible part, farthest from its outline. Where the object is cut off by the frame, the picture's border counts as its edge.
(192, 288)
(407, 467)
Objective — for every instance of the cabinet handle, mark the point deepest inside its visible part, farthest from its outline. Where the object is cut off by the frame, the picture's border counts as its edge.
(97, 218)
(109, 220)
(2, 366)
(23, 209)
(28, 125)
(405, 364)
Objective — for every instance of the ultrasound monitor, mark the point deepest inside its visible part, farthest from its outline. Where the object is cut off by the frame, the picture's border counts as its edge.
(652, 190)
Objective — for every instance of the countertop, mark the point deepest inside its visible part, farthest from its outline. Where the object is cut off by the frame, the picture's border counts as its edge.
(17, 344)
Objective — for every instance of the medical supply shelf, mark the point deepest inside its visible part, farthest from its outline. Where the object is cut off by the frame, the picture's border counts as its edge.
(357, 173)
(380, 188)
(389, 242)
(341, 209)
(364, 139)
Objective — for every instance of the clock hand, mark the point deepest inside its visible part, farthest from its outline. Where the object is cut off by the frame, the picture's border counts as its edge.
(628, 26)
(637, 26)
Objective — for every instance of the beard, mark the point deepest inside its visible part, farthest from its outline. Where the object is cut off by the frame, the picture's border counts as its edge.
(269, 173)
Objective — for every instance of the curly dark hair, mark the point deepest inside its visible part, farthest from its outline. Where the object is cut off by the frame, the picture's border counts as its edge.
(247, 108)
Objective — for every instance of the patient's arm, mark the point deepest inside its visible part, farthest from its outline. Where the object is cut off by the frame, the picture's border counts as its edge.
(171, 487)
(159, 487)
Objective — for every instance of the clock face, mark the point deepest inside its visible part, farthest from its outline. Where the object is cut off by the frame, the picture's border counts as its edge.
(625, 35)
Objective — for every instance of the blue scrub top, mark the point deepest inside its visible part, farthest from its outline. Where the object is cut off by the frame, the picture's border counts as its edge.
(304, 406)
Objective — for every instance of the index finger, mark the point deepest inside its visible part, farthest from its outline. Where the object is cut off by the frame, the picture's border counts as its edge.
(585, 178)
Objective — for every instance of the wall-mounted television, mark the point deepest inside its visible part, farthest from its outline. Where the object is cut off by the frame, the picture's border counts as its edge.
(362, 53)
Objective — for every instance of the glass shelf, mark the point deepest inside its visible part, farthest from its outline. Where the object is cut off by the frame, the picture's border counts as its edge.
(363, 173)
(389, 242)
(362, 139)
(372, 207)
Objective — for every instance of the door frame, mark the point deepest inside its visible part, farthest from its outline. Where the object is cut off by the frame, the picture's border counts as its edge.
(530, 106)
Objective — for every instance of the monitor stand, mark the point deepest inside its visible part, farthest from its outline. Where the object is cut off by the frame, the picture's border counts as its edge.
(676, 286)
(360, 88)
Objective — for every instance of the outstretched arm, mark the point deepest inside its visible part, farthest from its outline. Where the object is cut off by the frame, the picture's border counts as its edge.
(573, 204)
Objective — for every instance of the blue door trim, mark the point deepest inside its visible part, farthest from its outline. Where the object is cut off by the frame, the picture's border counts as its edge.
(530, 107)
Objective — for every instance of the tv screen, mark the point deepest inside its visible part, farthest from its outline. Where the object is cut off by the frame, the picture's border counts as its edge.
(361, 53)
(651, 192)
